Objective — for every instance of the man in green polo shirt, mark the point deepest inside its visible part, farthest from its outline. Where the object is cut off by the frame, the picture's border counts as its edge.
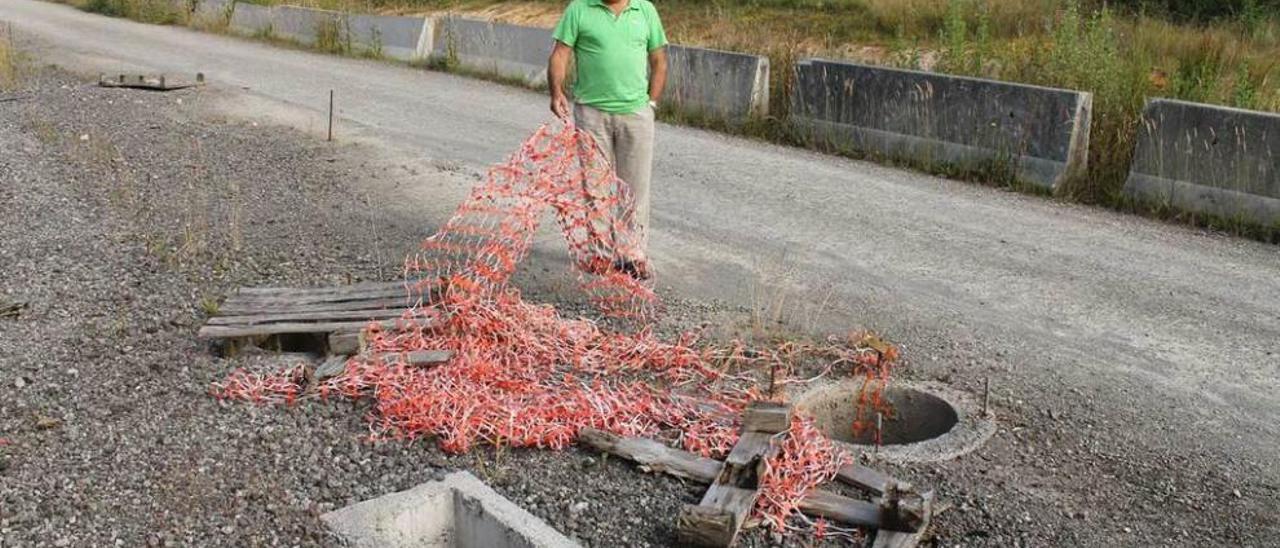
(621, 66)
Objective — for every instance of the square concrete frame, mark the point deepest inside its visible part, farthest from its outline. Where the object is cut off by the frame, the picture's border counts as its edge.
(456, 512)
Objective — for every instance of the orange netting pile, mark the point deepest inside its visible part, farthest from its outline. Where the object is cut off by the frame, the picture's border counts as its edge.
(524, 376)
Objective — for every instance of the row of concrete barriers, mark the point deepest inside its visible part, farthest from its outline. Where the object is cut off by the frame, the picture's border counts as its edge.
(1193, 157)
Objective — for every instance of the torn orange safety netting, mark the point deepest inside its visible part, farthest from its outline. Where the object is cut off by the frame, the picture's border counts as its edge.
(523, 375)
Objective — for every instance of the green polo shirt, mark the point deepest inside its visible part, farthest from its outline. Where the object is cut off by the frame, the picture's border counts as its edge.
(611, 53)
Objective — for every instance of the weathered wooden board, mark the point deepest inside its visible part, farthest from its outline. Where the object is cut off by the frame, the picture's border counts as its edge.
(231, 331)
(416, 358)
(766, 416)
(652, 455)
(720, 516)
(283, 317)
(250, 308)
(655, 456)
(867, 478)
(902, 539)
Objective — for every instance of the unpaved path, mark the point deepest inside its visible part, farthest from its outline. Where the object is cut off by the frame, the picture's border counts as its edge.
(1136, 363)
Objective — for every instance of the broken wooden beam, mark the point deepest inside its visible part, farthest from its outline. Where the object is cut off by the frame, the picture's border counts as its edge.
(331, 367)
(415, 358)
(766, 416)
(902, 539)
(869, 479)
(657, 457)
(716, 520)
(652, 455)
(345, 343)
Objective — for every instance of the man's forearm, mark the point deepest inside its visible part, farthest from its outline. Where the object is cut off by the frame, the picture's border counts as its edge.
(557, 69)
(657, 75)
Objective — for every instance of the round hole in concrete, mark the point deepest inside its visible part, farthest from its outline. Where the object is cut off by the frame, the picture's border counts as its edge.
(931, 422)
(916, 416)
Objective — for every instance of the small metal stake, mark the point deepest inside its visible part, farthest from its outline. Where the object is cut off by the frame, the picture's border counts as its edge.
(879, 431)
(330, 115)
(986, 395)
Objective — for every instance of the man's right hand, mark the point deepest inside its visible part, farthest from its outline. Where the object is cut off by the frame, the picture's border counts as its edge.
(560, 105)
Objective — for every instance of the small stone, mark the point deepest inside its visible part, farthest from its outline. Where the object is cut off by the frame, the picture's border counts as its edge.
(83, 137)
(227, 530)
(62, 542)
(578, 508)
(1237, 493)
(20, 383)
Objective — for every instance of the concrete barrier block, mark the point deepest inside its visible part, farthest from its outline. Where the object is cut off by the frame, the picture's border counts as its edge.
(1042, 134)
(403, 38)
(251, 19)
(456, 511)
(1208, 159)
(304, 25)
(720, 84)
(496, 49)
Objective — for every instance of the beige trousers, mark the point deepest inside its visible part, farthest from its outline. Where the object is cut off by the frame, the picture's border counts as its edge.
(628, 141)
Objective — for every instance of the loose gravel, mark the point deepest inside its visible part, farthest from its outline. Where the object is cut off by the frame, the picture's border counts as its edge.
(127, 214)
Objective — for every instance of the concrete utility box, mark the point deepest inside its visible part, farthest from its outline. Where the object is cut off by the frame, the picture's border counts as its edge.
(457, 512)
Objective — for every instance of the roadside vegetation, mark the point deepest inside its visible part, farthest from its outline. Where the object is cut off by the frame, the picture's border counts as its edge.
(162, 12)
(1223, 52)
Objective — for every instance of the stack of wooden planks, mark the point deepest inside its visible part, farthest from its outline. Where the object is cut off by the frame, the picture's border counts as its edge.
(266, 311)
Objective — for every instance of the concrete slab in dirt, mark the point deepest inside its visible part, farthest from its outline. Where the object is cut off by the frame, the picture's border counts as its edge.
(1208, 159)
(456, 512)
(1041, 133)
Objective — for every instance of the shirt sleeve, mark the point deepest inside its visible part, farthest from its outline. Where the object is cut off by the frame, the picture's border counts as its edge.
(657, 36)
(567, 29)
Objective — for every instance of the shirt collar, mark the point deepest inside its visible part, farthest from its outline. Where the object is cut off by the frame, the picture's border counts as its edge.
(632, 5)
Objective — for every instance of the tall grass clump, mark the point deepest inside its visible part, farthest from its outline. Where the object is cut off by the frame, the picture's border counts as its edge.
(8, 65)
(148, 11)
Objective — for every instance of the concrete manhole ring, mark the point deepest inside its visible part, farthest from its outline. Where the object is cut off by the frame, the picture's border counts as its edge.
(932, 422)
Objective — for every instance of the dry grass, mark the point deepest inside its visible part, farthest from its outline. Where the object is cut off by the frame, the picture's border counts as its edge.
(8, 67)
(163, 12)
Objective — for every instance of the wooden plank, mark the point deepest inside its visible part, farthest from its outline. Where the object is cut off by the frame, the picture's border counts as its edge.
(718, 519)
(416, 358)
(698, 525)
(258, 319)
(352, 295)
(902, 539)
(229, 332)
(829, 505)
(332, 367)
(766, 416)
(652, 455)
(345, 343)
(750, 446)
(319, 290)
(245, 309)
(657, 457)
(869, 479)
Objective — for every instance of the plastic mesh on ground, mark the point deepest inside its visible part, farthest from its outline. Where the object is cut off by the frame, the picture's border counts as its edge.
(524, 376)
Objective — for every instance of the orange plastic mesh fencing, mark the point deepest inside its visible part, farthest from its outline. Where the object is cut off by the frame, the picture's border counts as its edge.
(524, 376)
